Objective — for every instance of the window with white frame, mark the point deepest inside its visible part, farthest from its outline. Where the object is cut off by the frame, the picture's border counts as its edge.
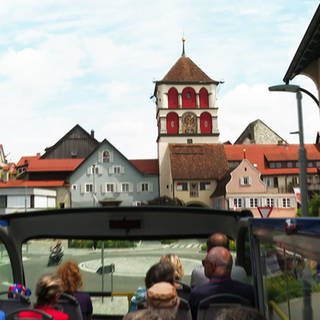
(182, 186)
(286, 203)
(125, 187)
(88, 187)
(110, 187)
(106, 156)
(116, 169)
(270, 202)
(245, 181)
(253, 202)
(94, 169)
(238, 202)
(145, 187)
(74, 187)
(205, 185)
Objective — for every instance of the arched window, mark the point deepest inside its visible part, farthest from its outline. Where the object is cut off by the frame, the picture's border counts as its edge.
(173, 98)
(172, 123)
(106, 156)
(205, 122)
(188, 98)
(204, 98)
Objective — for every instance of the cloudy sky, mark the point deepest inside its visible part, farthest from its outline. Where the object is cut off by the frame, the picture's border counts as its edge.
(94, 63)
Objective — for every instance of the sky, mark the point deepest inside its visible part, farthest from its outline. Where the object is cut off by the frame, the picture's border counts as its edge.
(94, 63)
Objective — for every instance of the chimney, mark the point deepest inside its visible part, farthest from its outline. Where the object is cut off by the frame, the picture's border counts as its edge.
(92, 133)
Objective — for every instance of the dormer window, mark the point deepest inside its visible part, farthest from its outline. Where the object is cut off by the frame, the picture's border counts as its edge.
(245, 181)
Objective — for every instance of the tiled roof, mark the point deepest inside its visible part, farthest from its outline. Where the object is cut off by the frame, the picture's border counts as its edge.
(259, 154)
(185, 70)
(31, 183)
(198, 161)
(147, 166)
(35, 164)
(25, 159)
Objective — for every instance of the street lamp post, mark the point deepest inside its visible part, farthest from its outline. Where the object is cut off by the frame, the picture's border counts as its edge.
(307, 309)
(302, 151)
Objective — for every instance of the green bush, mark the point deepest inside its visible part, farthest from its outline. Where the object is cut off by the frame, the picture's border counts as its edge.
(167, 241)
(85, 244)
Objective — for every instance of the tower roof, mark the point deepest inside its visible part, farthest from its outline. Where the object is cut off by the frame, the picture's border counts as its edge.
(185, 70)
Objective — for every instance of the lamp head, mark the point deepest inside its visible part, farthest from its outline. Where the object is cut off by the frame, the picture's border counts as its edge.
(285, 88)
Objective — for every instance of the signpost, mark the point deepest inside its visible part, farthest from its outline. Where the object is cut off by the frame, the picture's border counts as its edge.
(264, 211)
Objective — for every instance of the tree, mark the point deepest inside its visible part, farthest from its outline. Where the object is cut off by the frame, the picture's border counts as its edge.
(166, 201)
(314, 205)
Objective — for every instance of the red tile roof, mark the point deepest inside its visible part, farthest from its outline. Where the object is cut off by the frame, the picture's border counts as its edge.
(198, 161)
(147, 166)
(24, 160)
(35, 164)
(185, 70)
(259, 154)
(31, 183)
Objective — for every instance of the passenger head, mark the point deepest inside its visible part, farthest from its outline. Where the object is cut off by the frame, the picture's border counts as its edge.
(239, 313)
(161, 271)
(163, 300)
(218, 262)
(48, 290)
(71, 277)
(217, 240)
(174, 260)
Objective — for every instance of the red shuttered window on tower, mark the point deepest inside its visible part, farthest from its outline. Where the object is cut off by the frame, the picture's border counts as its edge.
(172, 123)
(205, 122)
(188, 98)
(204, 98)
(173, 98)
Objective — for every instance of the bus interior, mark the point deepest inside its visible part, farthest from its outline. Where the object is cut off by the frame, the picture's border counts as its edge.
(115, 246)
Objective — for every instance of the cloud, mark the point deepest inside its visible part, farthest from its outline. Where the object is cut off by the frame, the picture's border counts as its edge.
(93, 63)
(278, 110)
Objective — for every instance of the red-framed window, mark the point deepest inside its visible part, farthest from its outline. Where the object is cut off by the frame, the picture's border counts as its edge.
(189, 98)
(205, 122)
(172, 123)
(204, 98)
(173, 98)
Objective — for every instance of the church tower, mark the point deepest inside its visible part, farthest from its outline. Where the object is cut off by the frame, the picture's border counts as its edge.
(186, 111)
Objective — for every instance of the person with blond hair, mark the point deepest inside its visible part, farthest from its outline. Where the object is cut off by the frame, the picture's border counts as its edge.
(175, 261)
(71, 277)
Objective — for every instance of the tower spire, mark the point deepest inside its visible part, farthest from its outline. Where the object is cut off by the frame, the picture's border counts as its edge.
(183, 51)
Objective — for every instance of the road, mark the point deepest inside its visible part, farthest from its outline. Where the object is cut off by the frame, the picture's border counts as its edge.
(131, 266)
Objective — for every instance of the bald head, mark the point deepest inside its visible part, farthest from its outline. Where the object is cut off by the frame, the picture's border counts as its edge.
(217, 240)
(218, 262)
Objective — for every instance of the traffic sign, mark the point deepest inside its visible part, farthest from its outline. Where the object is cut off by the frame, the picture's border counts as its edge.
(264, 211)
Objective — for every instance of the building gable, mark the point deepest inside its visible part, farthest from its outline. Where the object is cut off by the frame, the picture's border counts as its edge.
(245, 179)
(77, 143)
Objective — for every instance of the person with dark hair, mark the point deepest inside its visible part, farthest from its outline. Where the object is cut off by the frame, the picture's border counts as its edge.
(217, 266)
(239, 313)
(159, 272)
(71, 277)
(198, 276)
(48, 290)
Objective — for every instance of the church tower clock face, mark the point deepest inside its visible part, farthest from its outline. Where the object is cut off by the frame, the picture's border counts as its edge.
(189, 123)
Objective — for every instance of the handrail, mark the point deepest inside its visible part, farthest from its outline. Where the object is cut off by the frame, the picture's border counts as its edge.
(274, 307)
